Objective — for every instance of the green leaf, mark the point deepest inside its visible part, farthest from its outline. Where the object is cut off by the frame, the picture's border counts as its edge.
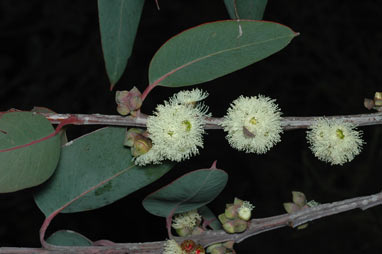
(95, 170)
(210, 218)
(215, 49)
(68, 238)
(118, 20)
(30, 165)
(191, 191)
(246, 9)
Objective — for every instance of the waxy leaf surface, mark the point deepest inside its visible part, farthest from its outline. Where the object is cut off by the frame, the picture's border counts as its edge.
(246, 9)
(215, 49)
(68, 238)
(30, 165)
(118, 20)
(95, 170)
(191, 191)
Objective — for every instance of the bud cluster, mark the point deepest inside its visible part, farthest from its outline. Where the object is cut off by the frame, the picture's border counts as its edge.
(375, 103)
(128, 102)
(299, 203)
(236, 216)
(138, 141)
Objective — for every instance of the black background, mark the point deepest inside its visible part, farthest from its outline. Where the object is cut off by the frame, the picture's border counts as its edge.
(50, 55)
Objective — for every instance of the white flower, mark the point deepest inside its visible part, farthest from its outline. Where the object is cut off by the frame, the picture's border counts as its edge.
(334, 141)
(245, 210)
(172, 247)
(253, 124)
(176, 131)
(188, 219)
(189, 97)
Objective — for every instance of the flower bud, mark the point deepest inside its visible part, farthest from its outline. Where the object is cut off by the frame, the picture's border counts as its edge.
(240, 225)
(229, 227)
(123, 110)
(141, 146)
(128, 101)
(229, 244)
(219, 250)
(131, 135)
(183, 231)
(291, 207)
(368, 103)
(238, 202)
(213, 246)
(134, 99)
(231, 212)
(222, 218)
(298, 198)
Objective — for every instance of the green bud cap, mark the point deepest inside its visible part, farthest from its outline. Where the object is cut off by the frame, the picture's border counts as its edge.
(229, 227)
(231, 212)
(219, 250)
(134, 100)
(240, 225)
(299, 198)
(229, 244)
(131, 135)
(141, 146)
(368, 103)
(183, 231)
(222, 218)
(238, 202)
(123, 110)
(213, 246)
(291, 207)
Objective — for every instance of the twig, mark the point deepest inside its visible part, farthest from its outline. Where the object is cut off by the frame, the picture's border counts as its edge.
(288, 123)
(257, 226)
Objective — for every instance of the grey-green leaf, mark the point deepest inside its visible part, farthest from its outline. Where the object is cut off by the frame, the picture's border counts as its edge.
(100, 161)
(119, 20)
(215, 49)
(68, 238)
(30, 165)
(189, 192)
(246, 9)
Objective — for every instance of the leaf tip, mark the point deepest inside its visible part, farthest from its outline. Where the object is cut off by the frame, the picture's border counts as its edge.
(213, 166)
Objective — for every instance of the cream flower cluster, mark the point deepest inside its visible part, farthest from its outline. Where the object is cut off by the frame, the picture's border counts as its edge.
(253, 124)
(172, 247)
(189, 219)
(334, 141)
(176, 129)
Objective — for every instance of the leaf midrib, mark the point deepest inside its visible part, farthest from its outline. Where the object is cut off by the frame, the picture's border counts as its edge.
(156, 82)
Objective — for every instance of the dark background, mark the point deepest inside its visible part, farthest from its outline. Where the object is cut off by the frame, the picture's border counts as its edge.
(50, 55)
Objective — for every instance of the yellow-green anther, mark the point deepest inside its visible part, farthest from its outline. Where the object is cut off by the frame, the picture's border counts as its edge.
(253, 121)
(187, 124)
(340, 134)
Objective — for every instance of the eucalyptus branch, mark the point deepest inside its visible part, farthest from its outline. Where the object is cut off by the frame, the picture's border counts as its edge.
(256, 226)
(288, 123)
